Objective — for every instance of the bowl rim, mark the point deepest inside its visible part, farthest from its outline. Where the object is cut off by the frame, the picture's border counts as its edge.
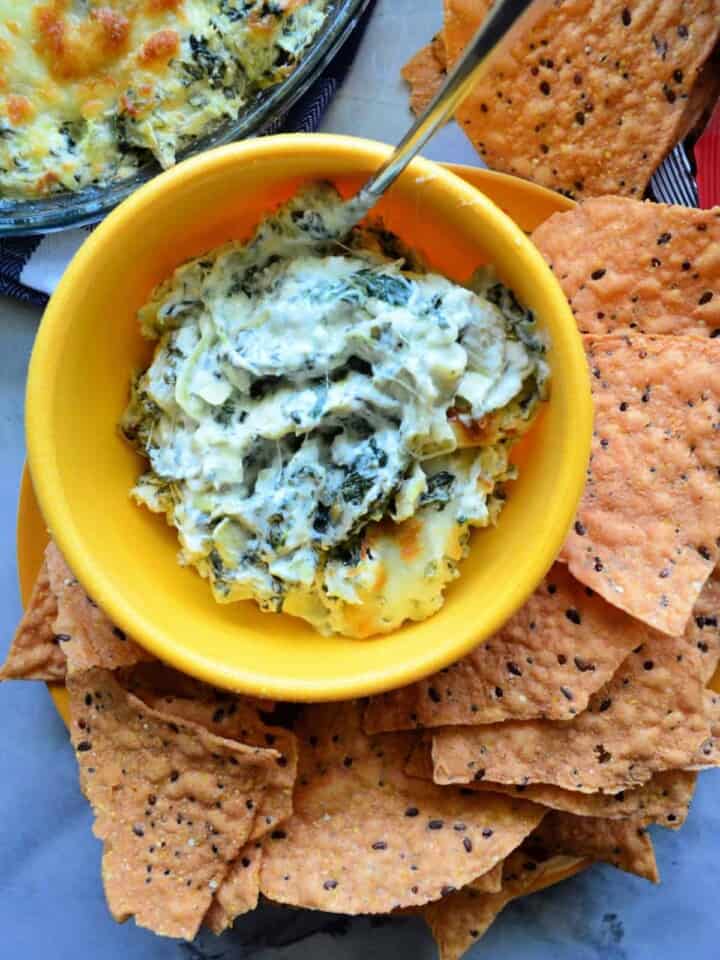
(58, 514)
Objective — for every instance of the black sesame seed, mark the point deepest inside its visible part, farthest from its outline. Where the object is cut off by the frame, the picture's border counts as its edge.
(278, 835)
(580, 528)
(705, 297)
(626, 17)
(573, 615)
(663, 239)
(583, 665)
(379, 845)
(139, 830)
(330, 884)
(598, 274)
(84, 746)
(467, 843)
(435, 824)
(499, 692)
(434, 695)
(460, 826)
(648, 665)
(568, 694)
(561, 659)
(513, 668)
(411, 812)
(487, 833)
(605, 705)
(545, 88)
(347, 762)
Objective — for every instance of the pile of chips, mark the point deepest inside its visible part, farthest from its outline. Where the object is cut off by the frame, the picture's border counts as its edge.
(591, 99)
(558, 741)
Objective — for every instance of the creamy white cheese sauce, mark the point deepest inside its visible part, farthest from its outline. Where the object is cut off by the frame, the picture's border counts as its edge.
(303, 417)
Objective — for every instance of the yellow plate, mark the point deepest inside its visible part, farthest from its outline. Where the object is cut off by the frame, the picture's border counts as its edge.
(89, 343)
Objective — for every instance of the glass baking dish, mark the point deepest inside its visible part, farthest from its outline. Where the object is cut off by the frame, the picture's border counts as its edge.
(63, 210)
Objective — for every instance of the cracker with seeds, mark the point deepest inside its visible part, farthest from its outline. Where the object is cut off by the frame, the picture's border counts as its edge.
(646, 534)
(89, 639)
(462, 918)
(649, 718)
(366, 838)
(547, 661)
(35, 652)
(425, 73)
(593, 97)
(174, 804)
(633, 267)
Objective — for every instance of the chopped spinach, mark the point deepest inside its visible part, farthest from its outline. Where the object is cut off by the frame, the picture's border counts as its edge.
(439, 489)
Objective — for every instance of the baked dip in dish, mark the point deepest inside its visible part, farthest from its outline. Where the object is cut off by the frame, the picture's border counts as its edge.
(96, 98)
(326, 422)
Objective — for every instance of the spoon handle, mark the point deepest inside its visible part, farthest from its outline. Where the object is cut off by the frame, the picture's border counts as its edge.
(507, 18)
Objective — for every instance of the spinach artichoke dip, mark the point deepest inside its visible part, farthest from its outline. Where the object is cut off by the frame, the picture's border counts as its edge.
(92, 89)
(325, 424)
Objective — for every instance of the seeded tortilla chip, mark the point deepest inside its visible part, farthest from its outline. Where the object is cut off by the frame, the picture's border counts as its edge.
(425, 73)
(704, 626)
(633, 267)
(88, 637)
(646, 532)
(592, 98)
(665, 799)
(366, 838)
(173, 803)
(624, 844)
(708, 754)
(35, 653)
(490, 882)
(547, 661)
(239, 719)
(649, 718)
(239, 891)
(462, 918)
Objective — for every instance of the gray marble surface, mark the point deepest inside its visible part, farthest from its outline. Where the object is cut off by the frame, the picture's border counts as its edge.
(51, 900)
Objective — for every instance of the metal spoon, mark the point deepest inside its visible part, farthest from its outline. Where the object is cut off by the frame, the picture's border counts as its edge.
(506, 20)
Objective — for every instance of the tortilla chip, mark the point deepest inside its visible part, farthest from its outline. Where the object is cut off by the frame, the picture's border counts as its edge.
(704, 626)
(35, 653)
(563, 640)
(624, 844)
(490, 882)
(239, 891)
(632, 267)
(425, 73)
(88, 637)
(173, 803)
(591, 99)
(708, 754)
(462, 918)
(650, 717)
(665, 799)
(238, 719)
(366, 838)
(646, 532)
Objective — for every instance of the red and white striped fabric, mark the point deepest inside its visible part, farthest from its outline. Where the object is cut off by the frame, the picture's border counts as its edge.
(707, 161)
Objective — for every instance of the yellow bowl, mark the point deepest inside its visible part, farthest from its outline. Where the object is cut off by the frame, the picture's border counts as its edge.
(89, 344)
